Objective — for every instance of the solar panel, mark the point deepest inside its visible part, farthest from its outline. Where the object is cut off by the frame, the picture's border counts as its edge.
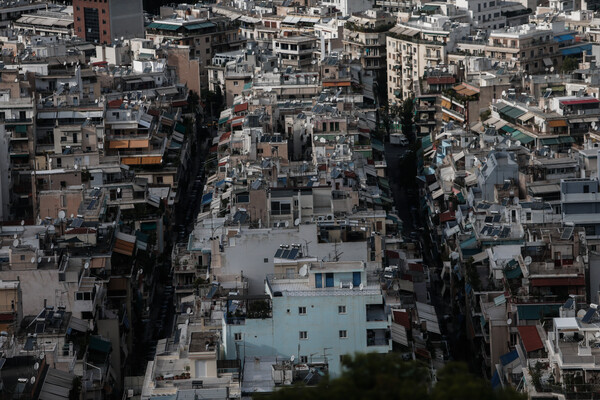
(495, 232)
(278, 253)
(285, 254)
(92, 204)
(293, 254)
(566, 235)
(497, 218)
(505, 232)
(587, 318)
(39, 327)
(76, 223)
(488, 219)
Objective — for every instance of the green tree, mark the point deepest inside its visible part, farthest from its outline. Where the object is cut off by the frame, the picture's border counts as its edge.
(387, 376)
(569, 65)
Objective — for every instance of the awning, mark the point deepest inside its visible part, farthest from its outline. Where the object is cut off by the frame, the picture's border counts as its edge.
(538, 282)
(118, 144)
(537, 311)
(124, 244)
(530, 338)
(480, 256)
(78, 325)
(336, 84)
(547, 62)
(507, 129)
(207, 198)
(138, 144)
(526, 117)
(512, 112)
(98, 344)
(202, 25)
(521, 137)
(21, 129)
(576, 50)
(562, 38)
(583, 100)
(557, 123)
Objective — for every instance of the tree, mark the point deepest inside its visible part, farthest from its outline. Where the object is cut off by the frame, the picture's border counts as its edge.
(387, 376)
(193, 100)
(406, 119)
(569, 65)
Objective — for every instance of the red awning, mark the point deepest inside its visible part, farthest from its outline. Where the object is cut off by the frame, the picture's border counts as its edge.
(240, 107)
(115, 103)
(531, 338)
(447, 216)
(225, 137)
(401, 318)
(537, 282)
(586, 100)
(441, 80)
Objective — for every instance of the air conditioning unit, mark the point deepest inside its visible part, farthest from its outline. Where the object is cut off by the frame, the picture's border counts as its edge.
(329, 217)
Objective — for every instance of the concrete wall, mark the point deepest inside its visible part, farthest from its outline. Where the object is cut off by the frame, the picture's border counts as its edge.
(188, 70)
(280, 335)
(5, 181)
(126, 19)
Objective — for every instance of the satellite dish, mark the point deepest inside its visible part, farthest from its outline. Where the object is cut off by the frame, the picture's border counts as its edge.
(597, 334)
(15, 242)
(361, 287)
(22, 222)
(528, 260)
(188, 311)
(303, 270)
(32, 380)
(32, 260)
(72, 216)
(509, 321)
(322, 140)
(292, 358)
(49, 259)
(39, 259)
(396, 287)
(297, 222)
(15, 236)
(578, 258)
(341, 285)
(36, 366)
(551, 69)
(351, 286)
(276, 70)
(52, 246)
(61, 214)
(75, 166)
(581, 313)
(286, 224)
(86, 265)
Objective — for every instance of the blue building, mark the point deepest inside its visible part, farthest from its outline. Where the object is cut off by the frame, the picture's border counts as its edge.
(327, 310)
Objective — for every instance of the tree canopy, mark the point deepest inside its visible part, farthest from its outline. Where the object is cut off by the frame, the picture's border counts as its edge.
(387, 376)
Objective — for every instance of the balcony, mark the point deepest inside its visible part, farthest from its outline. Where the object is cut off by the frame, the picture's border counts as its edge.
(378, 337)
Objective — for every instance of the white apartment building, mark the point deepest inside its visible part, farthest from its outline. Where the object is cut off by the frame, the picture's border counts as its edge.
(484, 14)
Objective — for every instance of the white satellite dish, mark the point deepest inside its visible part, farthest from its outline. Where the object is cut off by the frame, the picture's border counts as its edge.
(86, 265)
(16, 243)
(396, 287)
(361, 287)
(509, 321)
(32, 380)
(49, 259)
(292, 358)
(188, 311)
(597, 334)
(32, 260)
(22, 222)
(351, 286)
(75, 166)
(303, 270)
(39, 259)
(52, 246)
(61, 214)
(581, 313)
(286, 223)
(36, 366)
(322, 140)
(341, 285)
(276, 70)
(528, 260)
(297, 222)
(15, 236)
(578, 258)
(72, 216)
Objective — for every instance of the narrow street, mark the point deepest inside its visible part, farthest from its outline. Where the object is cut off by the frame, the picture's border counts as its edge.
(406, 200)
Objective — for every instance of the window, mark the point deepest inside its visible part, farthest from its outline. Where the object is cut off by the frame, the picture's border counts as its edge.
(303, 359)
(586, 188)
(22, 258)
(235, 83)
(301, 310)
(343, 334)
(207, 39)
(528, 216)
(207, 51)
(237, 336)
(303, 335)
(341, 309)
